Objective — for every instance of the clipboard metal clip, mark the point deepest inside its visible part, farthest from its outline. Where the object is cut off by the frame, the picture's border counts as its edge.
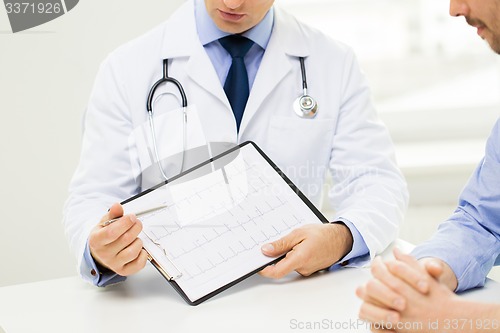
(153, 261)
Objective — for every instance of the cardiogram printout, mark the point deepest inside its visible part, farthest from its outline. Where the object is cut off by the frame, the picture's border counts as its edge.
(218, 216)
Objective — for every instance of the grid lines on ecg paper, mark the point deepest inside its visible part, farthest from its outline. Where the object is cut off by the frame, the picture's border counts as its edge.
(253, 217)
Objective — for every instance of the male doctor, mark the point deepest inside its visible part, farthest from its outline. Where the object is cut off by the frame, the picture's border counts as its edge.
(345, 137)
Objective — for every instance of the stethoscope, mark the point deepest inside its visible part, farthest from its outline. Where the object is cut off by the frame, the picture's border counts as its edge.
(167, 79)
(304, 106)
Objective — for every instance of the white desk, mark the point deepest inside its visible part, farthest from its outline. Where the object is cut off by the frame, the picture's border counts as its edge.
(147, 303)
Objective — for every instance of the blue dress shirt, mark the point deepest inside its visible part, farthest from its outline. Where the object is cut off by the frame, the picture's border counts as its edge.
(469, 241)
(209, 35)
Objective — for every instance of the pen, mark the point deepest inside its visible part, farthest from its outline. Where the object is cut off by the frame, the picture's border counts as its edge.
(138, 214)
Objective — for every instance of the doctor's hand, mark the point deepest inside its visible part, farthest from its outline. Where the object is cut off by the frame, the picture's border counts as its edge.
(116, 246)
(308, 249)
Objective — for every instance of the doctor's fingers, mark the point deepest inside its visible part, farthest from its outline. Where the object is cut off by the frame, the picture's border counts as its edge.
(115, 211)
(114, 232)
(292, 261)
(125, 239)
(130, 260)
(295, 257)
(106, 253)
(284, 244)
(133, 266)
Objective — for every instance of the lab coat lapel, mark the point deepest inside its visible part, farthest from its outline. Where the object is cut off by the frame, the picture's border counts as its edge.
(274, 67)
(287, 40)
(199, 67)
(174, 44)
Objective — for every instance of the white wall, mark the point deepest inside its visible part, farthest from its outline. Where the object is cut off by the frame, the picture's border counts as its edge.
(46, 75)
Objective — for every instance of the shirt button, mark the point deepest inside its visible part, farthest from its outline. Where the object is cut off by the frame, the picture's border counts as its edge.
(93, 272)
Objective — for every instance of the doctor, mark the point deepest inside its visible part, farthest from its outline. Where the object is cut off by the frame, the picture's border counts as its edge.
(344, 137)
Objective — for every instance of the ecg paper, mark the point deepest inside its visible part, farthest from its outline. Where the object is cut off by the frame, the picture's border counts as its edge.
(214, 225)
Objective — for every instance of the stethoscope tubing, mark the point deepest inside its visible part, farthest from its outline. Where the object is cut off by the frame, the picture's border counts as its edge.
(301, 111)
(165, 79)
(149, 107)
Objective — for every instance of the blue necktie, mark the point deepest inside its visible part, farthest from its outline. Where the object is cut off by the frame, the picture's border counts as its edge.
(236, 85)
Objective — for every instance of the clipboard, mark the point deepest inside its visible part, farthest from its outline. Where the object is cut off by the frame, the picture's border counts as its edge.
(218, 214)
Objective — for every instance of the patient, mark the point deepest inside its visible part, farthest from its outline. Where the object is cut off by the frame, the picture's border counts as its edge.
(406, 295)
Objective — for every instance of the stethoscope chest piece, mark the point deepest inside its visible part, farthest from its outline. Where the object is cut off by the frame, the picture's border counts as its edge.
(305, 106)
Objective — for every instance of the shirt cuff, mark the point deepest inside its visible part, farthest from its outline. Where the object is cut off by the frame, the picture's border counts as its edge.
(96, 276)
(359, 254)
(468, 273)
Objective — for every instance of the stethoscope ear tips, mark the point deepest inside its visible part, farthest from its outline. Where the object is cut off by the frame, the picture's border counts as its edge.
(305, 106)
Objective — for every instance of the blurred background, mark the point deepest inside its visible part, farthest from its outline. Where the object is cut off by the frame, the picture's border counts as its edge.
(435, 83)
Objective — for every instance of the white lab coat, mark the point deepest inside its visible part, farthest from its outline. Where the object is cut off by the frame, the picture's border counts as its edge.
(345, 137)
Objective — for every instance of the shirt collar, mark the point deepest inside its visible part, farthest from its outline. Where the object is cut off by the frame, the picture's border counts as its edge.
(208, 31)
